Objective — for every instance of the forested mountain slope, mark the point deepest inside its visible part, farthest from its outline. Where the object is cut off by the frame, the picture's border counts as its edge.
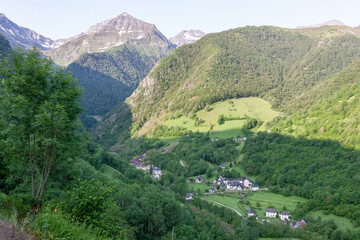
(274, 63)
(330, 110)
(109, 77)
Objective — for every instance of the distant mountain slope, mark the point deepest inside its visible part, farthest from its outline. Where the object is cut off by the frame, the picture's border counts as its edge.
(24, 37)
(109, 77)
(108, 34)
(187, 37)
(273, 63)
(327, 23)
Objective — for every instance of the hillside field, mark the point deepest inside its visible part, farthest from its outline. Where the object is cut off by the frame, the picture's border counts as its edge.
(236, 108)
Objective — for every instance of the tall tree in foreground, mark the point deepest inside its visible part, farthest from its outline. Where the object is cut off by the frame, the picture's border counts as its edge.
(39, 106)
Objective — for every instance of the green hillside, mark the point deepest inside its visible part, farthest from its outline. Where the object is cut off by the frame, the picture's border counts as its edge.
(273, 63)
(331, 110)
(236, 113)
(316, 153)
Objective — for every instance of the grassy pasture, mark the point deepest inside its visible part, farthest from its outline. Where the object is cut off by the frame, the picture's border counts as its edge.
(252, 107)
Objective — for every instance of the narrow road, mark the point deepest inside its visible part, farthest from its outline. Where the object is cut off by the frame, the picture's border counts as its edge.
(223, 206)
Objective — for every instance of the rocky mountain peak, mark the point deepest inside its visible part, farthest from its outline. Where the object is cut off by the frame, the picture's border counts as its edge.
(23, 37)
(121, 24)
(108, 34)
(187, 37)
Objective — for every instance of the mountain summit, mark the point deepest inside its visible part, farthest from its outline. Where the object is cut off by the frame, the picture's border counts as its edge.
(187, 37)
(108, 34)
(328, 23)
(24, 37)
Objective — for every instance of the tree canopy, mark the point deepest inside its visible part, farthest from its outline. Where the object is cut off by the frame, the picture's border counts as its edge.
(39, 107)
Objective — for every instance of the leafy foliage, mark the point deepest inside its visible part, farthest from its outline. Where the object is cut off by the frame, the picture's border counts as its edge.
(38, 112)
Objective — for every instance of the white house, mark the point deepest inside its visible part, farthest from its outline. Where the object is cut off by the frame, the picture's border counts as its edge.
(248, 183)
(270, 212)
(255, 187)
(284, 216)
(157, 172)
(199, 179)
(251, 212)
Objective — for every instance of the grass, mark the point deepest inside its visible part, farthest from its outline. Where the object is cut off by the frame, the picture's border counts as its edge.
(226, 200)
(168, 141)
(199, 186)
(341, 222)
(252, 107)
(277, 201)
(109, 171)
(265, 198)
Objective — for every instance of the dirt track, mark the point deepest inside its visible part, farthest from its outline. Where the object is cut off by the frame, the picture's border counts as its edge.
(8, 232)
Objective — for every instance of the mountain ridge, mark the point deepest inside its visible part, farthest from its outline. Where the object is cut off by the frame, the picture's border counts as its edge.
(106, 35)
(24, 37)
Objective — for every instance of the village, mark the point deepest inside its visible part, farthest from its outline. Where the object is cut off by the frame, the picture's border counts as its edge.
(221, 185)
(243, 185)
(140, 163)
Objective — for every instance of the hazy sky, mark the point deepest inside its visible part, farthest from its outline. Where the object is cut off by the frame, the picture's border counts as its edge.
(64, 18)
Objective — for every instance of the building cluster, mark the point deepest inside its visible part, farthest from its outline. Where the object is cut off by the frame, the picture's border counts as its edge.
(273, 213)
(298, 224)
(284, 217)
(240, 139)
(140, 163)
(235, 183)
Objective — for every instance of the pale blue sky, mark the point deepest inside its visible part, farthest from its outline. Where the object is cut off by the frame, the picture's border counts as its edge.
(65, 18)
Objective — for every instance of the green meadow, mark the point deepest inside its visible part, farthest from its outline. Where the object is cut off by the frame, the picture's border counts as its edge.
(253, 199)
(235, 108)
(199, 186)
(267, 199)
(341, 222)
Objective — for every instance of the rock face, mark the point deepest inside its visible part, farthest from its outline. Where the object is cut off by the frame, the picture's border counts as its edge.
(23, 37)
(108, 34)
(187, 37)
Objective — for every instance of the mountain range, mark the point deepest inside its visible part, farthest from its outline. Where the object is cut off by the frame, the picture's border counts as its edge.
(136, 81)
